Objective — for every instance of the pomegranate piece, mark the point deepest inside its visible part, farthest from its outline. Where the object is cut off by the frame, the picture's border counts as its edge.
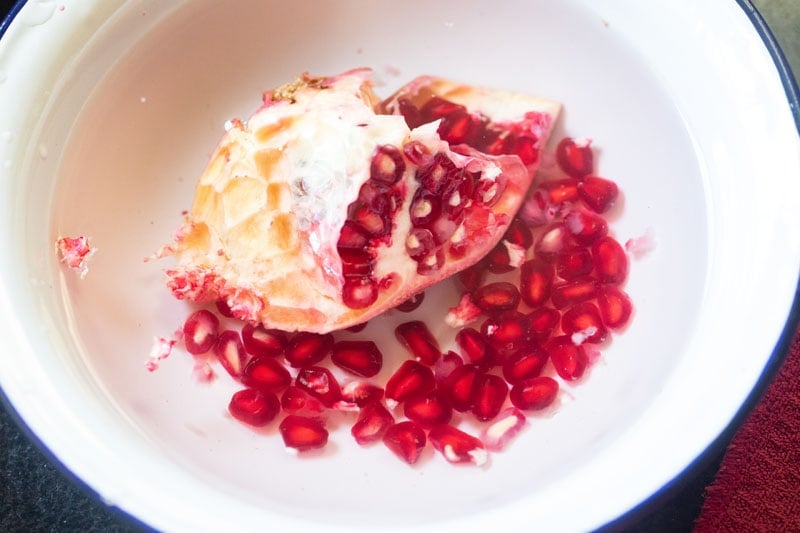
(459, 387)
(496, 297)
(258, 340)
(267, 374)
(295, 400)
(599, 194)
(474, 346)
(411, 379)
(534, 394)
(373, 421)
(615, 307)
(406, 440)
(362, 358)
(610, 261)
(419, 341)
(573, 292)
(506, 332)
(254, 407)
(457, 446)
(428, 410)
(568, 359)
(542, 322)
(464, 313)
(361, 393)
(506, 426)
(574, 157)
(230, 352)
(489, 395)
(200, 332)
(582, 323)
(525, 364)
(303, 433)
(320, 383)
(75, 253)
(412, 303)
(307, 349)
(536, 281)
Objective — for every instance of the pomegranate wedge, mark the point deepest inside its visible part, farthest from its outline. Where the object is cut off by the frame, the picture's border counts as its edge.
(328, 207)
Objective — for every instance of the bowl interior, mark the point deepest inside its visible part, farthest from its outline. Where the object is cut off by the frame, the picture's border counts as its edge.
(132, 122)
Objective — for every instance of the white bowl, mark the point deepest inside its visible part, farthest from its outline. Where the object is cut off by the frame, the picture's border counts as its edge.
(110, 110)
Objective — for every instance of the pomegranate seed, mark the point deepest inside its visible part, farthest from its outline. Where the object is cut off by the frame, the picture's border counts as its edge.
(361, 393)
(560, 191)
(446, 365)
(438, 107)
(458, 447)
(411, 114)
(582, 323)
(610, 261)
(496, 297)
(615, 307)
(417, 339)
(358, 293)
(254, 407)
(200, 332)
(525, 364)
(525, 147)
(437, 175)
(320, 383)
(406, 440)
(498, 260)
(230, 352)
(419, 243)
(372, 422)
(456, 196)
(356, 263)
(505, 427)
(542, 322)
(428, 410)
(418, 153)
(412, 378)
(519, 233)
(306, 349)
(599, 194)
(260, 341)
(506, 332)
(459, 127)
(572, 292)
(574, 263)
(552, 240)
(536, 281)
(495, 141)
(585, 227)
(371, 219)
(266, 373)
(387, 165)
(431, 264)
(488, 191)
(302, 433)
(568, 359)
(295, 400)
(490, 395)
(474, 346)
(575, 158)
(352, 237)
(412, 303)
(471, 278)
(425, 207)
(459, 387)
(362, 358)
(224, 309)
(534, 394)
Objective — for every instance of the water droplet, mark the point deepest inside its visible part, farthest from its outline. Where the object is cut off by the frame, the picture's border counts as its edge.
(43, 151)
(38, 12)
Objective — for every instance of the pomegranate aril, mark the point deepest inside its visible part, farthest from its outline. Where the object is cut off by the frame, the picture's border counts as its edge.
(352, 237)
(534, 394)
(362, 358)
(498, 260)
(230, 352)
(488, 191)
(457, 195)
(536, 281)
(615, 307)
(406, 440)
(387, 165)
(459, 127)
(525, 147)
(472, 277)
(419, 341)
(266, 373)
(320, 383)
(411, 379)
(418, 153)
(372, 422)
(361, 393)
(475, 348)
(519, 233)
(490, 395)
(431, 263)
(420, 243)
(543, 322)
(585, 227)
(223, 308)
(527, 363)
(582, 323)
(411, 114)
(574, 263)
(428, 410)
(575, 157)
(506, 426)
(496, 297)
(372, 219)
(457, 446)
(356, 263)
(552, 241)
(572, 292)
(412, 303)
(438, 107)
(459, 387)
(200, 332)
(306, 349)
(260, 341)
(568, 359)
(295, 400)
(506, 332)
(426, 206)
(446, 365)
(494, 140)
(358, 293)
(599, 194)
(610, 261)
(303, 433)
(560, 191)
(254, 407)
(439, 174)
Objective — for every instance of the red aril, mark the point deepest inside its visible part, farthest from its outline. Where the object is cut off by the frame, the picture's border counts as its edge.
(534, 394)
(585, 227)
(572, 292)
(306, 349)
(372, 422)
(266, 373)
(223, 308)
(362, 358)
(489, 396)
(320, 383)
(459, 387)
(428, 409)
(568, 359)
(258, 340)
(504, 427)
(471, 278)
(387, 165)
(457, 446)
(574, 263)
(411, 379)
(610, 261)
(536, 281)
(303, 433)
(254, 407)
(475, 348)
(412, 303)
(552, 240)
(498, 260)
(419, 341)
(560, 191)
(582, 323)
(295, 400)
(574, 157)
(230, 352)
(445, 366)
(506, 332)
(496, 297)
(615, 306)
(543, 322)
(599, 194)
(519, 234)
(361, 393)
(527, 363)
(200, 332)
(406, 440)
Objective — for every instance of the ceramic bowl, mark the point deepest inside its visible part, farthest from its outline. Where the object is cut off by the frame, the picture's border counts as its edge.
(111, 110)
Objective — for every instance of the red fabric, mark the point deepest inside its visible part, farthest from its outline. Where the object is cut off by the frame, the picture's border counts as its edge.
(758, 485)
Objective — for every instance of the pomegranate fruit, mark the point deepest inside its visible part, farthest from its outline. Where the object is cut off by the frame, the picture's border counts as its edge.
(328, 206)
